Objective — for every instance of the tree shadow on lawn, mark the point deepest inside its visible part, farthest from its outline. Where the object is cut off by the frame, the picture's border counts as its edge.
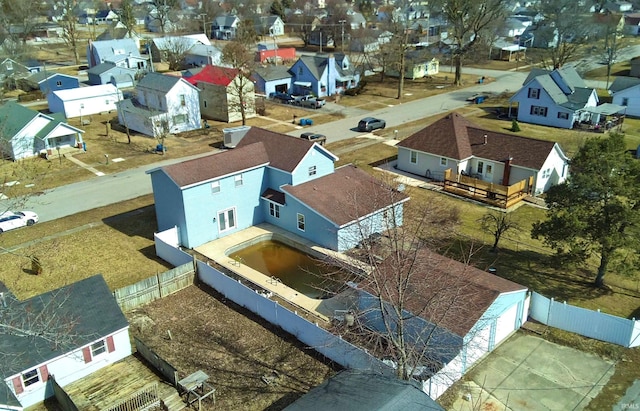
(542, 273)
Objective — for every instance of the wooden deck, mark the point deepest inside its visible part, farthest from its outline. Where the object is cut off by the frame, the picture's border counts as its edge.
(110, 385)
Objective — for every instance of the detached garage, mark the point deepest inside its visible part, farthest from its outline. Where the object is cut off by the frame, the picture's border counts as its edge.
(84, 101)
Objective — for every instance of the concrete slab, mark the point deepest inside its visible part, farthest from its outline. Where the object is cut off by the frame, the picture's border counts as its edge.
(529, 373)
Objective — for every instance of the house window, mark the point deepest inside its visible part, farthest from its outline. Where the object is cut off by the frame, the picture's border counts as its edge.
(414, 157)
(274, 210)
(183, 100)
(238, 180)
(215, 187)
(204, 103)
(312, 171)
(59, 83)
(443, 161)
(140, 65)
(227, 219)
(480, 167)
(563, 116)
(488, 169)
(300, 71)
(180, 119)
(538, 111)
(534, 93)
(9, 65)
(30, 377)
(546, 173)
(625, 101)
(300, 222)
(98, 348)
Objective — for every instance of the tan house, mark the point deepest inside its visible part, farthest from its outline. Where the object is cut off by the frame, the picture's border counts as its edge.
(223, 93)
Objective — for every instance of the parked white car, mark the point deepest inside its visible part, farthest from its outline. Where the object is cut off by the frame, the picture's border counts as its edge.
(10, 220)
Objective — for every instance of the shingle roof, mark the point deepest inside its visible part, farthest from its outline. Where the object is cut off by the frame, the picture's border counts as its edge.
(443, 291)
(284, 152)
(273, 72)
(217, 165)
(89, 303)
(623, 83)
(13, 118)
(107, 50)
(345, 195)
(356, 391)
(455, 137)
(554, 81)
(158, 82)
(221, 76)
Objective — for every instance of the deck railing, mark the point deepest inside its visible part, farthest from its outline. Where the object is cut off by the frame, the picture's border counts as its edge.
(145, 399)
(495, 194)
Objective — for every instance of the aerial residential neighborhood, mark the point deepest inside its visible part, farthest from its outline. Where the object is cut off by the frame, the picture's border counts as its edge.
(284, 205)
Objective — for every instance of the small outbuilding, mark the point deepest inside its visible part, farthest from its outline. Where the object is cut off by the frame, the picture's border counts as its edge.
(84, 101)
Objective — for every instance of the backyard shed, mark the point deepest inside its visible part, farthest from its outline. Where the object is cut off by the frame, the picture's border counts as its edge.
(84, 101)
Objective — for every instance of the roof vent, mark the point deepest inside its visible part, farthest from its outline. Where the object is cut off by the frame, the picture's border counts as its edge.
(485, 139)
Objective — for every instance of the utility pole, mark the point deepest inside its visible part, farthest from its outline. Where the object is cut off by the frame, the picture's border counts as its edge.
(320, 41)
(204, 24)
(342, 41)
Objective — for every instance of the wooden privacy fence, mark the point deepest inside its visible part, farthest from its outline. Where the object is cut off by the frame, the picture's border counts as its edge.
(65, 402)
(153, 288)
(168, 371)
(496, 194)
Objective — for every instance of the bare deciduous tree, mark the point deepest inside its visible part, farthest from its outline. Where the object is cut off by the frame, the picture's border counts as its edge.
(468, 21)
(412, 304)
(497, 223)
(163, 11)
(241, 89)
(68, 21)
(174, 51)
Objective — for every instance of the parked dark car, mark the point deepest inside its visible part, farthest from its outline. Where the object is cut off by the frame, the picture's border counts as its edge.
(370, 124)
(282, 97)
(315, 137)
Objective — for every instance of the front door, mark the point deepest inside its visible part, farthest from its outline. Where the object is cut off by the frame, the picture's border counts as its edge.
(227, 220)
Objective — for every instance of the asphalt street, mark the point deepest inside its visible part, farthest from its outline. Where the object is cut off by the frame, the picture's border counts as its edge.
(113, 188)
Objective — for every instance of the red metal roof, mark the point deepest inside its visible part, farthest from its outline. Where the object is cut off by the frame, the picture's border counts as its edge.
(221, 76)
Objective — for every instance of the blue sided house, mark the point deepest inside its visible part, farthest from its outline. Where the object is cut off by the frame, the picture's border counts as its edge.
(273, 178)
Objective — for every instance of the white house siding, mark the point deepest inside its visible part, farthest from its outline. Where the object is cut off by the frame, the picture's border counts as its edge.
(554, 171)
(426, 165)
(520, 173)
(551, 119)
(350, 236)
(72, 367)
(85, 100)
(630, 98)
(23, 143)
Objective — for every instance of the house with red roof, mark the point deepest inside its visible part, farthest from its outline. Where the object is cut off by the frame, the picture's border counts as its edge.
(225, 94)
(453, 142)
(273, 178)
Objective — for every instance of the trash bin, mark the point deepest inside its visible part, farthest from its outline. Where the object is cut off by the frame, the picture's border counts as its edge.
(159, 148)
(84, 146)
(480, 99)
(303, 121)
(309, 122)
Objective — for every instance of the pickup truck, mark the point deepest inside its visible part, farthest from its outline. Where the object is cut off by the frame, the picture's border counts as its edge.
(313, 103)
(298, 99)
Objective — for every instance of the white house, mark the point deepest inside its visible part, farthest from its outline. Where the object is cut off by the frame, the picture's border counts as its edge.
(625, 91)
(121, 52)
(84, 101)
(86, 310)
(164, 104)
(28, 132)
(202, 55)
(457, 144)
(558, 98)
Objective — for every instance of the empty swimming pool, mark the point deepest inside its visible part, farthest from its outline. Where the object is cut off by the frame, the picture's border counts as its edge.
(294, 268)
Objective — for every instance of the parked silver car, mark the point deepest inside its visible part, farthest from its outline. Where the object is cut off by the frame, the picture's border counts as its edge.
(370, 124)
(313, 103)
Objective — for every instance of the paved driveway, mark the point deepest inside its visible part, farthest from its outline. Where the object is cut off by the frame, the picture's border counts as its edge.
(529, 373)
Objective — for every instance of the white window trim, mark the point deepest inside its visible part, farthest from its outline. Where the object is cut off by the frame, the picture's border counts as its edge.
(413, 157)
(235, 219)
(304, 222)
(31, 386)
(444, 161)
(313, 170)
(274, 209)
(215, 187)
(104, 352)
(238, 180)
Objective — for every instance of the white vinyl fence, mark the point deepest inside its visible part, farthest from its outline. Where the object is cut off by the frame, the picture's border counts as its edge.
(592, 324)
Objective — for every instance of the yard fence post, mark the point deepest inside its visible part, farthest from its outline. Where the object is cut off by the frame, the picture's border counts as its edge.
(549, 311)
(159, 284)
